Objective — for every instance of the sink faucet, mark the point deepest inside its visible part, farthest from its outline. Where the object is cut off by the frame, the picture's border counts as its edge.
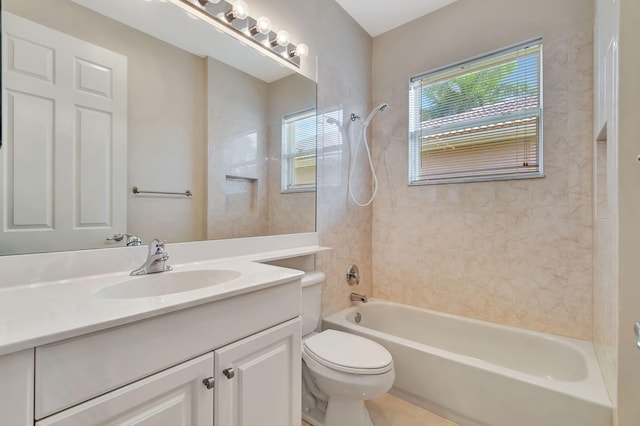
(155, 260)
(355, 297)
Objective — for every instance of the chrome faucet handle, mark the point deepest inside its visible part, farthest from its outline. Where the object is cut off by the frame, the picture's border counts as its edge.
(133, 240)
(156, 246)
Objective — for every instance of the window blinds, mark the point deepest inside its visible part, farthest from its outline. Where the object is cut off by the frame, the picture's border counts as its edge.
(478, 120)
(299, 151)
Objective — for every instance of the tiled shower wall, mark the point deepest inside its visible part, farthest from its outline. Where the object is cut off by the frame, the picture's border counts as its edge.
(344, 86)
(515, 252)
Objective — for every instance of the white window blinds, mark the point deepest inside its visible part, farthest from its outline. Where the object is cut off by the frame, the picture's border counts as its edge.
(299, 151)
(478, 120)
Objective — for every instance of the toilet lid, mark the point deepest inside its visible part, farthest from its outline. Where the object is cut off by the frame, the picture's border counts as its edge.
(348, 353)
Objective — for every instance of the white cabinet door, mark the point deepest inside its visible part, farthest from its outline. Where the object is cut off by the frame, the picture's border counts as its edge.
(64, 131)
(174, 397)
(258, 379)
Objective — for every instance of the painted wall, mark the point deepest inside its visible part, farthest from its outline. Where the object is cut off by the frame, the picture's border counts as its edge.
(515, 252)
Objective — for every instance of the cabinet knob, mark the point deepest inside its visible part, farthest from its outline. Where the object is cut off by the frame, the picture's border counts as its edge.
(229, 373)
(208, 382)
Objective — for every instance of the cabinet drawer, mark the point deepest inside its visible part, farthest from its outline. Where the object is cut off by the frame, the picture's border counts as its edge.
(173, 397)
(75, 370)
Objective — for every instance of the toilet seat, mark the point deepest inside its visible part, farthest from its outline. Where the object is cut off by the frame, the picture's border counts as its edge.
(348, 353)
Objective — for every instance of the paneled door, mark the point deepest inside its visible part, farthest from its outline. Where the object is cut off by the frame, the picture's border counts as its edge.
(63, 158)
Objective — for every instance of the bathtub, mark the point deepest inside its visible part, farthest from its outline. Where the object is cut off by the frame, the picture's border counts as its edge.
(478, 373)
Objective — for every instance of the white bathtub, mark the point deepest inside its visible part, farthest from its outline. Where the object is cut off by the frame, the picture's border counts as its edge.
(482, 374)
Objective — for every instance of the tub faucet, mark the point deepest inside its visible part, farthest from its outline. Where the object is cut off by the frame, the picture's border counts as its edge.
(355, 297)
(155, 259)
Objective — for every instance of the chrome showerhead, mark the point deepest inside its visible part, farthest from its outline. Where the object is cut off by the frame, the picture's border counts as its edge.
(381, 107)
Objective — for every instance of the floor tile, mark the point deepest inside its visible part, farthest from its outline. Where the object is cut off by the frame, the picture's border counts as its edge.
(391, 411)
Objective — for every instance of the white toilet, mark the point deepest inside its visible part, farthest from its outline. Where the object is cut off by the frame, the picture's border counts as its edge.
(339, 370)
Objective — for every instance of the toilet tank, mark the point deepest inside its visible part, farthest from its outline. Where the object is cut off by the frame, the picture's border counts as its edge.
(311, 300)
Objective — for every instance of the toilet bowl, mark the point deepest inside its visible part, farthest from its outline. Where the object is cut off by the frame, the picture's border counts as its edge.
(347, 370)
(339, 370)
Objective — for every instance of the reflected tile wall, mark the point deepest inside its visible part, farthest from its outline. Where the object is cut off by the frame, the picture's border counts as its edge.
(514, 252)
(236, 141)
(288, 212)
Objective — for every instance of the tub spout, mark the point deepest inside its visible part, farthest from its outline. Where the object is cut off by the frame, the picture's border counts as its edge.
(355, 297)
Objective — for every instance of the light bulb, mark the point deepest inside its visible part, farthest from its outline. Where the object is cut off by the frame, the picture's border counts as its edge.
(240, 9)
(301, 51)
(282, 38)
(263, 25)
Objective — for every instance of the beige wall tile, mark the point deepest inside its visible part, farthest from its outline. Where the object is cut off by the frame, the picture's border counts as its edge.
(516, 252)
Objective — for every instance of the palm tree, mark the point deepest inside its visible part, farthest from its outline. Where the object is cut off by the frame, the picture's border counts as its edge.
(471, 90)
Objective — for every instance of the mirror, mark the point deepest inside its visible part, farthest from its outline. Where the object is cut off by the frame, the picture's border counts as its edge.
(103, 99)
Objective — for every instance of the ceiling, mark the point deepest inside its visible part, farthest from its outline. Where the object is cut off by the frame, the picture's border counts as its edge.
(379, 16)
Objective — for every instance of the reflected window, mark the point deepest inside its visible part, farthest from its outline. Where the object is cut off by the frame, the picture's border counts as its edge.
(299, 151)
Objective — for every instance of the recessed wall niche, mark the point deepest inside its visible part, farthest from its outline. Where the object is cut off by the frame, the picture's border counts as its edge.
(241, 194)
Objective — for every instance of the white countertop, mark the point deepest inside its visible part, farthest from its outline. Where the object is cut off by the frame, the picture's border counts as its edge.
(45, 312)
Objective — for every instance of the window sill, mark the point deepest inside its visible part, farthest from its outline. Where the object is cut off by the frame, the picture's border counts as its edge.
(477, 179)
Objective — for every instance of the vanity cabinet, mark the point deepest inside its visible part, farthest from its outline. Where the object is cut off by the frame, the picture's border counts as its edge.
(255, 379)
(151, 372)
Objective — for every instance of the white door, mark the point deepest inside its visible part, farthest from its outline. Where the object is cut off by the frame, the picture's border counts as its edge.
(63, 158)
(174, 397)
(258, 379)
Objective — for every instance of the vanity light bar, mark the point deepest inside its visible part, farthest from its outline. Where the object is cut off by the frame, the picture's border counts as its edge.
(234, 15)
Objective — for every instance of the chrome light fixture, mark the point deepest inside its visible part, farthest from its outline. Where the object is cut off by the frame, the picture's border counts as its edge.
(239, 10)
(262, 26)
(234, 14)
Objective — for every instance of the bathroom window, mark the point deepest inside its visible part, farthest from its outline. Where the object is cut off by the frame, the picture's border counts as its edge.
(479, 119)
(299, 151)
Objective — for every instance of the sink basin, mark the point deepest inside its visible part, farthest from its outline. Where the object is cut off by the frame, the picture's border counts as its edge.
(166, 283)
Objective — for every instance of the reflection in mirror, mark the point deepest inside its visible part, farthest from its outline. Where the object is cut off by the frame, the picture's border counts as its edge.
(92, 107)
